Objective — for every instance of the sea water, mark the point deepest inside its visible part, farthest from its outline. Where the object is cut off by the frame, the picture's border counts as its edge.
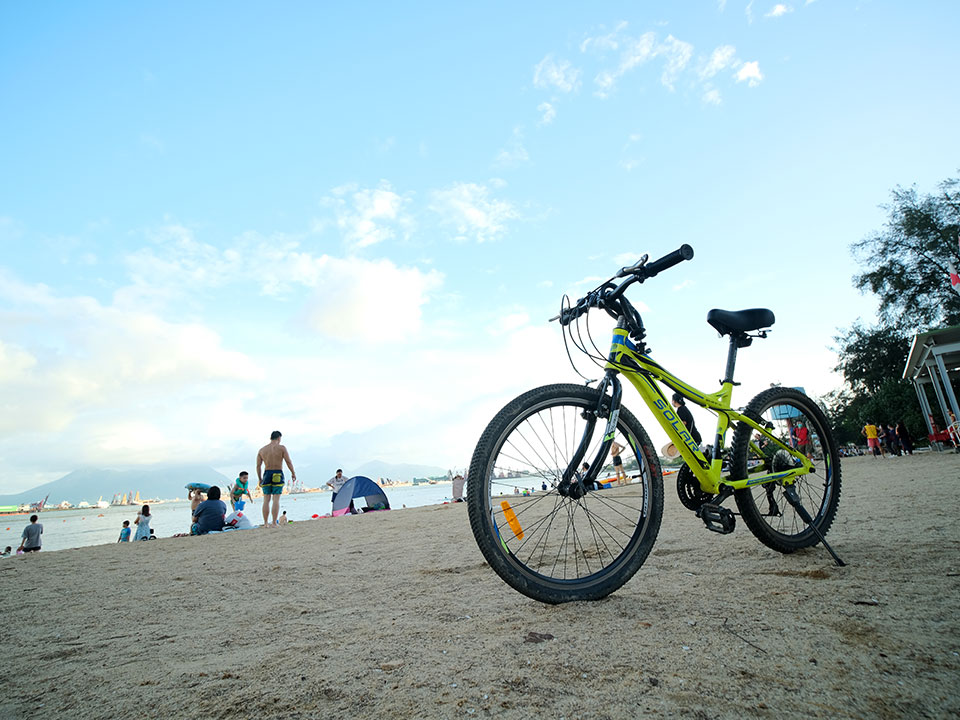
(64, 529)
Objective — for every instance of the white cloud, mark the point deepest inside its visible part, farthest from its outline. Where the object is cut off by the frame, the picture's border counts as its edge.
(720, 59)
(749, 12)
(712, 97)
(610, 41)
(509, 323)
(367, 216)
(625, 259)
(678, 54)
(779, 10)
(551, 73)
(63, 357)
(354, 299)
(628, 159)
(548, 113)
(749, 73)
(514, 153)
(472, 212)
(176, 265)
(637, 51)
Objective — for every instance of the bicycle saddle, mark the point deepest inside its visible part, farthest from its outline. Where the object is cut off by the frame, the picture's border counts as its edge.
(740, 321)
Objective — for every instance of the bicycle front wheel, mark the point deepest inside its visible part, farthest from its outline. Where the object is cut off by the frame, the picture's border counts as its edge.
(797, 422)
(548, 546)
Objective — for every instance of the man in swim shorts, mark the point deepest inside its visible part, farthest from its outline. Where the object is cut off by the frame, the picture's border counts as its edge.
(615, 450)
(271, 458)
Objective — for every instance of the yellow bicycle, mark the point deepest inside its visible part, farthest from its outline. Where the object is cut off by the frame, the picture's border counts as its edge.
(545, 505)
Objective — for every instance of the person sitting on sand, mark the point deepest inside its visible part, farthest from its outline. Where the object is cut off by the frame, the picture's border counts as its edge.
(283, 518)
(209, 514)
(31, 536)
(7, 552)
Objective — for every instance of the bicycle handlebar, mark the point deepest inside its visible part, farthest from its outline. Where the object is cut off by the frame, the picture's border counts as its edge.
(608, 295)
(684, 252)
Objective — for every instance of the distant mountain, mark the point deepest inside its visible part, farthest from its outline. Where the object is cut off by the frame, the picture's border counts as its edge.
(401, 472)
(164, 482)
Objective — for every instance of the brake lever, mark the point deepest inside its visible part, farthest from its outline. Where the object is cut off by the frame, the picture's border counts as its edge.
(630, 270)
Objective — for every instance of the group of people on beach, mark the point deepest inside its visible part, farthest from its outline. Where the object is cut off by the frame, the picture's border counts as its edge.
(886, 438)
(144, 531)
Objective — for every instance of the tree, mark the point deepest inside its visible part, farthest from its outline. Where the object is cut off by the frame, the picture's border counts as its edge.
(871, 356)
(908, 263)
(908, 259)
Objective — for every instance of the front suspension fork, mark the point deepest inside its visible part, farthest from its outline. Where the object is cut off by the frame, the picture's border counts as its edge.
(574, 483)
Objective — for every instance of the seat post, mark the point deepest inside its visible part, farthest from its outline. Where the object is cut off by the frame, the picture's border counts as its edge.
(731, 359)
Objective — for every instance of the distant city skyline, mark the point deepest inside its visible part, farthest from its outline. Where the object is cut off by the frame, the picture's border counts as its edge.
(351, 223)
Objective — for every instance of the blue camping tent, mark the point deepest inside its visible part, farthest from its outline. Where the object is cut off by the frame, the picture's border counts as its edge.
(360, 493)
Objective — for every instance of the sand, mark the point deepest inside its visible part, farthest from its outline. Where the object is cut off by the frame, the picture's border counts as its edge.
(397, 615)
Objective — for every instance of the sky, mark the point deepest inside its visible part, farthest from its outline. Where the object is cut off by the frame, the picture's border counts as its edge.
(352, 221)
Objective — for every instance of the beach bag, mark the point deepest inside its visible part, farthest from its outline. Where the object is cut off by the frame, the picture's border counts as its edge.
(239, 520)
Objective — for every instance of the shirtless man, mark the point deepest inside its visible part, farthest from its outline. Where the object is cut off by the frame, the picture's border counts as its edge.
(615, 450)
(271, 458)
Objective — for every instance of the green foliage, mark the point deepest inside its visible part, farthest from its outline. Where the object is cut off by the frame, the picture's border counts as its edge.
(871, 356)
(907, 265)
(894, 400)
(908, 260)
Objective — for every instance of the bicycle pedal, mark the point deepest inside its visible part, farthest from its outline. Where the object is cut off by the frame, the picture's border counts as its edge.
(717, 519)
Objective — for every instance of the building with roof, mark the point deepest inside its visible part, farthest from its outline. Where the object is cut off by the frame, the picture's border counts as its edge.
(934, 365)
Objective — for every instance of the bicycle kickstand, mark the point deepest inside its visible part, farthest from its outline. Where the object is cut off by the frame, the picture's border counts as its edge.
(790, 492)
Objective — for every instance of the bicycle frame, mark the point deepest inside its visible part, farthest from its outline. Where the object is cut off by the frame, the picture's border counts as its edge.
(644, 373)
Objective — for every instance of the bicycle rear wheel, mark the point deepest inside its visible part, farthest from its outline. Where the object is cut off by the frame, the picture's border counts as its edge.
(545, 545)
(787, 413)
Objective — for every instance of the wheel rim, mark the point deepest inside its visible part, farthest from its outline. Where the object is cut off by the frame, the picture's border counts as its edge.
(784, 418)
(550, 537)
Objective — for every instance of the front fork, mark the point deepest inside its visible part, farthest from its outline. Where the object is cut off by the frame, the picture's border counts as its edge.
(575, 483)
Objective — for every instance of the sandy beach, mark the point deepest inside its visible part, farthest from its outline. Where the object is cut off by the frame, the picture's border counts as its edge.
(396, 615)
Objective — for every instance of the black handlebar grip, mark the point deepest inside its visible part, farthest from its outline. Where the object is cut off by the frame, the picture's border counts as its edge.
(684, 252)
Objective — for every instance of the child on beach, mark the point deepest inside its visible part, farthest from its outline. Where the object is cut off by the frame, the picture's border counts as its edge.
(240, 487)
(125, 532)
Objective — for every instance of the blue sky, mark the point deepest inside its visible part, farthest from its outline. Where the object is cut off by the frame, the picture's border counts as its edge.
(351, 222)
